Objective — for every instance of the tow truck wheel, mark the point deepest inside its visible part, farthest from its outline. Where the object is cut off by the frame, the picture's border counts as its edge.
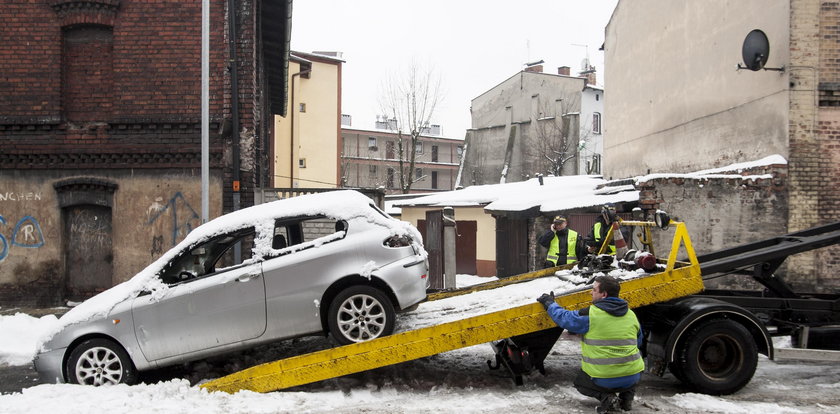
(717, 357)
(98, 362)
(360, 313)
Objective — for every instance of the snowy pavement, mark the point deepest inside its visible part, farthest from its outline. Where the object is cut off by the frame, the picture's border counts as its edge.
(456, 381)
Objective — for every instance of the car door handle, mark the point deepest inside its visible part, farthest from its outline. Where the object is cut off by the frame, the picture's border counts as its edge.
(247, 277)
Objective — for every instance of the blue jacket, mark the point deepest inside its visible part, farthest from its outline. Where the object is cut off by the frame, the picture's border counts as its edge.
(577, 322)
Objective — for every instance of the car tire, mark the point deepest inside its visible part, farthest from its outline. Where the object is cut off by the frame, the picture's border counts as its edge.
(98, 362)
(718, 357)
(360, 313)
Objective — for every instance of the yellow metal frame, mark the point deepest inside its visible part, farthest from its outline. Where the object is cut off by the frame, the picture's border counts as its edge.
(679, 279)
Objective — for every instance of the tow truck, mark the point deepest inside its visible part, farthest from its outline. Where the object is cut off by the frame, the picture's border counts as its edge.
(709, 340)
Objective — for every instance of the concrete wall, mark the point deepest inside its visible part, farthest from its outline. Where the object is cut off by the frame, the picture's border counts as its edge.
(150, 214)
(512, 108)
(677, 104)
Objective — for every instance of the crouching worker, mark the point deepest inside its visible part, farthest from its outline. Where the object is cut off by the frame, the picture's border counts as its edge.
(611, 362)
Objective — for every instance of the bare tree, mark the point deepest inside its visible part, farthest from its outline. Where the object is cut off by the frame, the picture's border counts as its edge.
(555, 136)
(409, 100)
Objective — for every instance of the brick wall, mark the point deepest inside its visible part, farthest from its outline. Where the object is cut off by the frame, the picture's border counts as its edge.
(721, 213)
(812, 133)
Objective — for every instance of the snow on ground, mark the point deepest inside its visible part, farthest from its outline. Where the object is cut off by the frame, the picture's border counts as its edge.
(455, 381)
(20, 335)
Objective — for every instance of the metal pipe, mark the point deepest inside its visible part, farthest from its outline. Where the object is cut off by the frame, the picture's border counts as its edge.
(205, 110)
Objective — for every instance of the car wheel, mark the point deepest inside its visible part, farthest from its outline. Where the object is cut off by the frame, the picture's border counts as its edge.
(100, 362)
(360, 313)
(718, 357)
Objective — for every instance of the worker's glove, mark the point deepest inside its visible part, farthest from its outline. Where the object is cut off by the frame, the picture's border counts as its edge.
(546, 299)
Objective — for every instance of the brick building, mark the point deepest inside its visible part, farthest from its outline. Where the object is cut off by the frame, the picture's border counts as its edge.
(678, 104)
(100, 132)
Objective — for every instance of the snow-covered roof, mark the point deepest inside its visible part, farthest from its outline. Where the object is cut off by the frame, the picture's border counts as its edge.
(556, 194)
(729, 171)
(568, 192)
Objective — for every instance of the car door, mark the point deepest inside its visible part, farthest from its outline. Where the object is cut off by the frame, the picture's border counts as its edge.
(317, 255)
(210, 307)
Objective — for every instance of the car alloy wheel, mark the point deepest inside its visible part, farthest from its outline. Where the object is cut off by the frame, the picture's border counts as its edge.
(361, 313)
(100, 362)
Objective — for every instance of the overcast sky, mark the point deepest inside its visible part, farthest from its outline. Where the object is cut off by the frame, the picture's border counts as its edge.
(473, 45)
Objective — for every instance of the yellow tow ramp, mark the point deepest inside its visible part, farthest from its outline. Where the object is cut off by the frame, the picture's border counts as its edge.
(679, 279)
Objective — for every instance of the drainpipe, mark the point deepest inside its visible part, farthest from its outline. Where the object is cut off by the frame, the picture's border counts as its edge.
(234, 110)
(234, 96)
(292, 127)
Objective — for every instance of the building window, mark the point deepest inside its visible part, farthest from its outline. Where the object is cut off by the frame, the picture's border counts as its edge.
(418, 147)
(372, 170)
(596, 123)
(302, 163)
(389, 179)
(460, 151)
(418, 172)
(372, 144)
(434, 153)
(434, 180)
(389, 150)
(302, 107)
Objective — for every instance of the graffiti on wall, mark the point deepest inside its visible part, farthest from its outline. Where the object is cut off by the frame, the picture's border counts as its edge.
(178, 217)
(26, 233)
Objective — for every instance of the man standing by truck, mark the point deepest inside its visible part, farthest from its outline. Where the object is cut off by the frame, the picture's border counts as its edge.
(611, 361)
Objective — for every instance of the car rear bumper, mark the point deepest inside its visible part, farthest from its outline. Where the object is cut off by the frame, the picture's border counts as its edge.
(413, 274)
(49, 365)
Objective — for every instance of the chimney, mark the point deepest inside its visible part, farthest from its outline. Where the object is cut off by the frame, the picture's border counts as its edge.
(564, 70)
(534, 68)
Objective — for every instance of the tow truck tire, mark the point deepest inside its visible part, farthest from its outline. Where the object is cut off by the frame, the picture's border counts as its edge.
(717, 357)
(360, 313)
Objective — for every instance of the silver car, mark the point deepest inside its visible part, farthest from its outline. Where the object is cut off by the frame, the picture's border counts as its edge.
(325, 263)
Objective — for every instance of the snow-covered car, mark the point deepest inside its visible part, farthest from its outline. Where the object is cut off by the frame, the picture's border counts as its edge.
(323, 263)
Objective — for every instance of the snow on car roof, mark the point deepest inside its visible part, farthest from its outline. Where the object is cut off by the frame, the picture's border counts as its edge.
(340, 205)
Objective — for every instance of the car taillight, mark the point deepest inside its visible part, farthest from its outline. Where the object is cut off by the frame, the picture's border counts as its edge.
(398, 241)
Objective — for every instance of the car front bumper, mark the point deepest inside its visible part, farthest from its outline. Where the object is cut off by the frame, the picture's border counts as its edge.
(49, 365)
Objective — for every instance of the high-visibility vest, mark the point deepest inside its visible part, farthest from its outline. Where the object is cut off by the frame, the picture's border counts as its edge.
(596, 231)
(610, 348)
(571, 247)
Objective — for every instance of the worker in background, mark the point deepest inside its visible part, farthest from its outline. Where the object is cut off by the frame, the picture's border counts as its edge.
(564, 244)
(600, 229)
(611, 361)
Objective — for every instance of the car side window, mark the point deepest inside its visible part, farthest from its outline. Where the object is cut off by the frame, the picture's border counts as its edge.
(209, 257)
(302, 230)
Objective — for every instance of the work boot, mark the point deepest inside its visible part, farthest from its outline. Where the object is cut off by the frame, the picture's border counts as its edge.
(626, 400)
(609, 402)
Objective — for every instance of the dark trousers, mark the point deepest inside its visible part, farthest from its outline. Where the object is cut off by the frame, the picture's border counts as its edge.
(583, 383)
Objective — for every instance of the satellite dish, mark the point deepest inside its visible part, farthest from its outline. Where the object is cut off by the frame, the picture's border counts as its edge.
(756, 50)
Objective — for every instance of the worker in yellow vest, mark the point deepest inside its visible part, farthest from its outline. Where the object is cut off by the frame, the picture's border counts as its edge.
(611, 361)
(564, 245)
(599, 231)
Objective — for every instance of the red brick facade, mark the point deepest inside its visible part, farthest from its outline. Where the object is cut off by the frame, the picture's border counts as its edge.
(110, 90)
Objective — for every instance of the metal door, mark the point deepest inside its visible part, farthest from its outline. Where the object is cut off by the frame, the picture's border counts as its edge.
(433, 242)
(511, 246)
(88, 251)
(465, 254)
